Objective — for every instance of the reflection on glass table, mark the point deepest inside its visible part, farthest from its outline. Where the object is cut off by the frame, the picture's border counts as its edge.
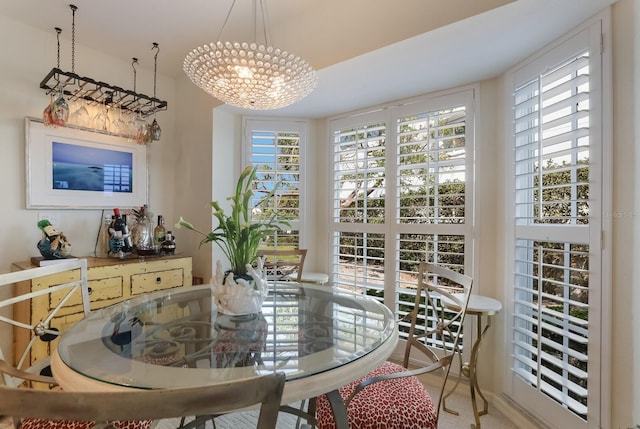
(320, 337)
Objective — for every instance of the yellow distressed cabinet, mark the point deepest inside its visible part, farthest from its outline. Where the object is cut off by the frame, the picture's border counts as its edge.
(109, 281)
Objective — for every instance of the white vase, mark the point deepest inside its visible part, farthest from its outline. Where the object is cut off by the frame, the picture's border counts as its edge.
(240, 296)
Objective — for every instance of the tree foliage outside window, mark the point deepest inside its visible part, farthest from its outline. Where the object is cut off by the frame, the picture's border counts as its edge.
(400, 194)
(276, 150)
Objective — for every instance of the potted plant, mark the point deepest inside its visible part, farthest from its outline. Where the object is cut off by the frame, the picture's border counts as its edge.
(237, 236)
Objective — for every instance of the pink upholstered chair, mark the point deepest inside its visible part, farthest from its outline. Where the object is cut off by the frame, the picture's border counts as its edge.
(391, 396)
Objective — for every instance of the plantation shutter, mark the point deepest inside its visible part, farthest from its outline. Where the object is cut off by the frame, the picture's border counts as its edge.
(556, 248)
(402, 194)
(276, 151)
(359, 205)
(431, 196)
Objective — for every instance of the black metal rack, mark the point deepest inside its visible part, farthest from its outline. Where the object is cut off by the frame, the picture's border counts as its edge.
(78, 87)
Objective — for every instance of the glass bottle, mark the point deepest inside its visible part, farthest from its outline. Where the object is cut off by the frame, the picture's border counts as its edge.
(159, 232)
(102, 242)
(169, 244)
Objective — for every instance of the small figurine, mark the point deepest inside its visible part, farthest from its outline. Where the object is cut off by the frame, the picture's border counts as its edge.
(54, 244)
(116, 243)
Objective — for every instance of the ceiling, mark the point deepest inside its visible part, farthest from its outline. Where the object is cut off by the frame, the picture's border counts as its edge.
(367, 51)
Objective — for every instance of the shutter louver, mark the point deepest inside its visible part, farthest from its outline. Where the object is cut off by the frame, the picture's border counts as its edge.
(277, 158)
(551, 284)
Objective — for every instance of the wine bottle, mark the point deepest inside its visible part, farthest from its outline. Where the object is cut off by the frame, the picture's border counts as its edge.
(159, 232)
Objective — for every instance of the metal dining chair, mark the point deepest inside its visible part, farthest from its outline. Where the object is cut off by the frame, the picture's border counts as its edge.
(27, 364)
(435, 330)
(281, 264)
(33, 339)
(31, 408)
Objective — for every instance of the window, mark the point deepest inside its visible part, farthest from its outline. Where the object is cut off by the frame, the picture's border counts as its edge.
(402, 193)
(276, 148)
(557, 180)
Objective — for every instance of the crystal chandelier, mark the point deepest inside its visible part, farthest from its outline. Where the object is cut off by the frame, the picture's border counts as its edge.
(250, 75)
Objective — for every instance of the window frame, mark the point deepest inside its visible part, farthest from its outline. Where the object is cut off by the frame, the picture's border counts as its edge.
(598, 31)
(393, 229)
(276, 125)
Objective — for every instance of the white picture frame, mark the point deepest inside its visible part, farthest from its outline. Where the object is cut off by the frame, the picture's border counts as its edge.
(69, 168)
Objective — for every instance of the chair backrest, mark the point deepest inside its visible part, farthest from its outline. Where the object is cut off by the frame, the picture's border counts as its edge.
(442, 297)
(280, 263)
(21, 291)
(137, 404)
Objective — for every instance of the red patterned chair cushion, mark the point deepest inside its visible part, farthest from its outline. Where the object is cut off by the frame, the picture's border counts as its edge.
(391, 404)
(70, 424)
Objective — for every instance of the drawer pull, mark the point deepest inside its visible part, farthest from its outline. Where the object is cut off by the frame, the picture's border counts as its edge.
(89, 290)
(158, 279)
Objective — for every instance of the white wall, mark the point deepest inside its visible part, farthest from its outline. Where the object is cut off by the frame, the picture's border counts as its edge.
(625, 332)
(192, 187)
(28, 55)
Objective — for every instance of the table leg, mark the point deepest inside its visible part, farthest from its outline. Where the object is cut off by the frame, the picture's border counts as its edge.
(469, 370)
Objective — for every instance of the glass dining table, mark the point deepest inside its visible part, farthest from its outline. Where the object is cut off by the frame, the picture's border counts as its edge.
(321, 337)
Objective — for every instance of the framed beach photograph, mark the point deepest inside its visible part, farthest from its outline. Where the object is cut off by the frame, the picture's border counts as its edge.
(79, 169)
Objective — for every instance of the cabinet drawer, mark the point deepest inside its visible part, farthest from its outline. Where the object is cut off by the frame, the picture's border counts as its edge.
(105, 292)
(141, 283)
(101, 293)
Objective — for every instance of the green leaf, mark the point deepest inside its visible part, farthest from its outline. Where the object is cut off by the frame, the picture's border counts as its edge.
(235, 234)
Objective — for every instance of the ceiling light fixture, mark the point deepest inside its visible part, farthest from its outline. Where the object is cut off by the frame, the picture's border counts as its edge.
(250, 75)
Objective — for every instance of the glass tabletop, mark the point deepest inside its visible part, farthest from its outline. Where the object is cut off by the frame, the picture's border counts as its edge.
(176, 337)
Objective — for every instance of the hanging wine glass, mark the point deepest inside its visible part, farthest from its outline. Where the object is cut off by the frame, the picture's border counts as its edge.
(47, 119)
(80, 116)
(60, 110)
(119, 125)
(155, 130)
(130, 125)
(143, 130)
(101, 120)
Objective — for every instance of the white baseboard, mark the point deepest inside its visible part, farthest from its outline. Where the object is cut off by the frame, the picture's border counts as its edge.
(521, 419)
